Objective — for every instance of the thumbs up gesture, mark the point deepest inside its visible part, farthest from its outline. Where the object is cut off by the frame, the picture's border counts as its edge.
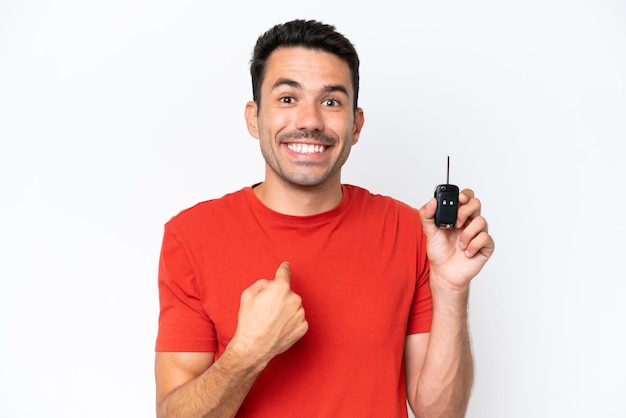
(271, 318)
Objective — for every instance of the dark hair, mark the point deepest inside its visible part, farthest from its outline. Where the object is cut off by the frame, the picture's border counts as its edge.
(302, 33)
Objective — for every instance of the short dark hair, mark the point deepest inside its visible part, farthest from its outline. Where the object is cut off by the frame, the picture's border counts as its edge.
(310, 34)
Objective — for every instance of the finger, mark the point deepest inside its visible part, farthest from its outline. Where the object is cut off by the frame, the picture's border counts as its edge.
(468, 211)
(465, 195)
(481, 244)
(254, 289)
(475, 227)
(283, 272)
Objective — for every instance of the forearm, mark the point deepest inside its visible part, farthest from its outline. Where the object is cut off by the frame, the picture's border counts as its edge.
(218, 392)
(445, 382)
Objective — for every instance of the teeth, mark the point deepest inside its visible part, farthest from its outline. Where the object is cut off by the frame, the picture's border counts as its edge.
(306, 148)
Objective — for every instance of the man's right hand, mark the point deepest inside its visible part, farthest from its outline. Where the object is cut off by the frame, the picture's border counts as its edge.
(271, 318)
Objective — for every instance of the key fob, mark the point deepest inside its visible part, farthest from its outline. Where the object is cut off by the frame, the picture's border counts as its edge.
(447, 196)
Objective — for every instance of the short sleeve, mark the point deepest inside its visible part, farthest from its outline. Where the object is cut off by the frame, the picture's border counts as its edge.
(184, 325)
(421, 314)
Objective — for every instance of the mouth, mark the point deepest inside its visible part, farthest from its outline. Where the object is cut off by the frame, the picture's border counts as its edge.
(306, 148)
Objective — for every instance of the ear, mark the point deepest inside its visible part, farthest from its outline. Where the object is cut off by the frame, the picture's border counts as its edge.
(359, 120)
(250, 115)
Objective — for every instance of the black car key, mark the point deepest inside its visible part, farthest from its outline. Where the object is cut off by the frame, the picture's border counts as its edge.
(447, 196)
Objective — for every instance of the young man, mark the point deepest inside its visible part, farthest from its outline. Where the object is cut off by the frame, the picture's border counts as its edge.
(301, 296)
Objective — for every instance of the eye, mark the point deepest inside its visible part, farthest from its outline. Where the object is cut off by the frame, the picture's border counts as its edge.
(286, 100)
(331, 102)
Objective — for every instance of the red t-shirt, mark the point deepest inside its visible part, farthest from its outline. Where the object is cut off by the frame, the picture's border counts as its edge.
(360, 268)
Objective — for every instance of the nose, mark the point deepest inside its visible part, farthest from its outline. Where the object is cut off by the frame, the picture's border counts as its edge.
(310, 117)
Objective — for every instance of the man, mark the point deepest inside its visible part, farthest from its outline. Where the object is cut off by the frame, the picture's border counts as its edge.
(301, 296)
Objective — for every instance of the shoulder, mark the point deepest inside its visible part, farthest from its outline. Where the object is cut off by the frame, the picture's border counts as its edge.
(373, 201)
(208, 211)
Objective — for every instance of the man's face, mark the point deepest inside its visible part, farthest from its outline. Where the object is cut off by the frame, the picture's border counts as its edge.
(306, 124)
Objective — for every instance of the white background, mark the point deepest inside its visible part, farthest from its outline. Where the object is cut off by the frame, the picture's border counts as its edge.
(116, 115)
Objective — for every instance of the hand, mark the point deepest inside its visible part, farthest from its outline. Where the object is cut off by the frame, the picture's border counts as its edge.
(271, 317)
(457, 255)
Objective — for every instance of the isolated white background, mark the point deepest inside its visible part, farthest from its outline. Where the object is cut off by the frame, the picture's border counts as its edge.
(116, 115)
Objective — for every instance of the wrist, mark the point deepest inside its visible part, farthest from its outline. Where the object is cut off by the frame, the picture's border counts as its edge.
(449, 293)
(245, 356)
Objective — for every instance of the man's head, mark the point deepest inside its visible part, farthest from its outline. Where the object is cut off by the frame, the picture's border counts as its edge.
(302, 33)
(306, 75)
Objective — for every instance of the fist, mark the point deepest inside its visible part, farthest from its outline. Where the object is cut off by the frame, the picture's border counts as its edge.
(271, 317)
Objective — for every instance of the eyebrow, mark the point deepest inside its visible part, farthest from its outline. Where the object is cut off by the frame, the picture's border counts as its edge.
(292, 83)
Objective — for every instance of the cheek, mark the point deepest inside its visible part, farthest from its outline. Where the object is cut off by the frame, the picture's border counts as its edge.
(273, 121)
(345, 130)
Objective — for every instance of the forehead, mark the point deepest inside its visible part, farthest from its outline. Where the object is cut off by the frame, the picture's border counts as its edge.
(310, 67)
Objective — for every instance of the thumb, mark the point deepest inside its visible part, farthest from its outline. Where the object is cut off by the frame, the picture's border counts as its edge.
(427, 216)
(283, 272)
(427, 212)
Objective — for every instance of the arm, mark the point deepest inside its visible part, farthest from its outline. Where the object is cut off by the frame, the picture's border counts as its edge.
(439, 367)
(270, 320)
(439, 364)
(192, 385)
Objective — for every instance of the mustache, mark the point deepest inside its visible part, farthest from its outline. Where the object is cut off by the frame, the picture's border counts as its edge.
(306, 134)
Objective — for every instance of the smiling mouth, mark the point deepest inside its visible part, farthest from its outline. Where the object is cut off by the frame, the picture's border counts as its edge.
(307, 148)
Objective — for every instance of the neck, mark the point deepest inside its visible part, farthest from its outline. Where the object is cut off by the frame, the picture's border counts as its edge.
(295, 200)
